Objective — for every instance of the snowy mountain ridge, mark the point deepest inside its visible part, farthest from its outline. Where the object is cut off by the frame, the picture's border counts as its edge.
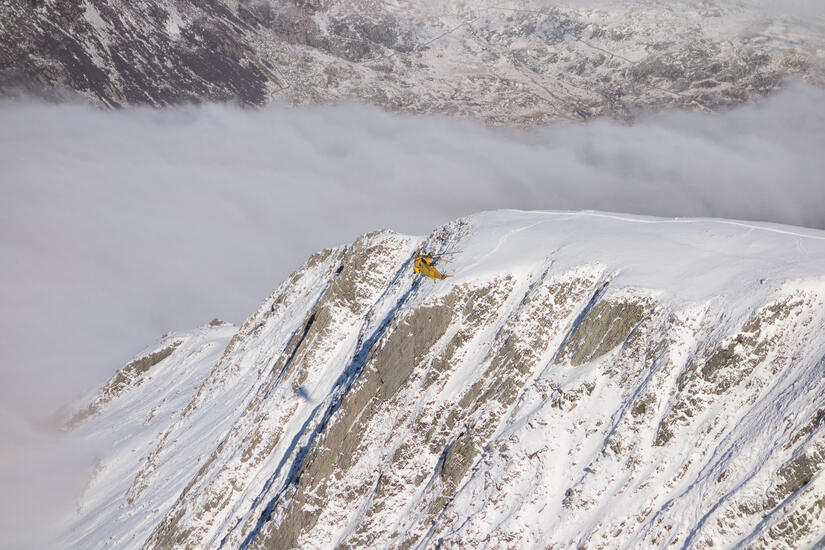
(585, 380)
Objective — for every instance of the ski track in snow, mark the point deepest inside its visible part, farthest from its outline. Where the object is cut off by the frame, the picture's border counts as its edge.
(757, 227)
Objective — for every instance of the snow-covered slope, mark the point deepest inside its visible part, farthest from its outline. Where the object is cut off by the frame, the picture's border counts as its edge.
(503, 61)
(585, 380)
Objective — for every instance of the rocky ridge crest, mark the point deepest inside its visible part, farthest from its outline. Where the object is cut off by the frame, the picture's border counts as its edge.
(557, 391)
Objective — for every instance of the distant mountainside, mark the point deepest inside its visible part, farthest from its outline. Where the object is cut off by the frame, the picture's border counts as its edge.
(502, 62)
(584, 381)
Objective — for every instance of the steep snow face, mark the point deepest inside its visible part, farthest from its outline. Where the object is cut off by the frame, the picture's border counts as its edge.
(506, 61)
(584, 380)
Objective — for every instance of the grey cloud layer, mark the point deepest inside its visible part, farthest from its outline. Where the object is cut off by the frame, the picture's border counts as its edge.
(163, 219)
(118, 226)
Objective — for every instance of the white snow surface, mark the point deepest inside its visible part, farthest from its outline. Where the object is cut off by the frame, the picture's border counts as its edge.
(700, 427)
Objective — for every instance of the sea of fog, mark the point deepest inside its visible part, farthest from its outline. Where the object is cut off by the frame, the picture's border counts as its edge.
(118, 226)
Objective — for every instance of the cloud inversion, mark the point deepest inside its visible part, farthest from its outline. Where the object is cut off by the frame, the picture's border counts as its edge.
(118, 226)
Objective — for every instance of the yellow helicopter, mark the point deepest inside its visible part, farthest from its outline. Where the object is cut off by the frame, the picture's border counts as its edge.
(425, 265)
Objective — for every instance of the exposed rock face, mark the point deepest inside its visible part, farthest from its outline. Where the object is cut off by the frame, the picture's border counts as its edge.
(562, 391)
(503, 62)
(141, 52)
(131, 375)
